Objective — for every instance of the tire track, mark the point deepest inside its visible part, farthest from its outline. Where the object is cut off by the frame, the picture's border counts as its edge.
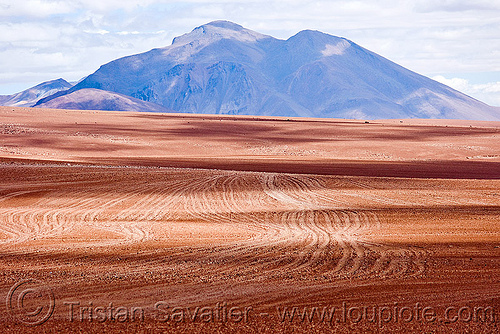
(323, 228)
(295, 222)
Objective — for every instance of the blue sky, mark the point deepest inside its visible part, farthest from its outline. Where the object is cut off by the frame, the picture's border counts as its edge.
(453, 41)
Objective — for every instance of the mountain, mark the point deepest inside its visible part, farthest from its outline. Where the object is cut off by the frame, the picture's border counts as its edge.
(96, 99)
(31, 96)
(223, 68)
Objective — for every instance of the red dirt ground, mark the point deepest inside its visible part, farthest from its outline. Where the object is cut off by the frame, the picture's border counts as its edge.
(153, 223)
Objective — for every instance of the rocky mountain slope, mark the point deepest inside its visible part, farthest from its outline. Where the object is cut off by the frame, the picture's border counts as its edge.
(31, 95)
(223, 68)
(96, 99)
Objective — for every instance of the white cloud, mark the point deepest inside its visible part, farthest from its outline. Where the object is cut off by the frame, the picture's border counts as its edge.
(487, 92)
(34, 8)
(455, 5)
(27, 34)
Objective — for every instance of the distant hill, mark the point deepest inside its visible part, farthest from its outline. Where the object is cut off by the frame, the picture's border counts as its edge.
(223, 68)
(96, 99)
(31, 95)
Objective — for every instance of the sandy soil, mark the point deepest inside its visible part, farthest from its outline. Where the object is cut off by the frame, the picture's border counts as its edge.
(152, 223)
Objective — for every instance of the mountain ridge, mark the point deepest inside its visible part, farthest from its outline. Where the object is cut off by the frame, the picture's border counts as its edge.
(31, 96)
(224, 68)
(96, 99)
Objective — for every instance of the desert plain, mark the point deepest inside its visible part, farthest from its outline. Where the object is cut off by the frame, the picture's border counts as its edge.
(178, 223)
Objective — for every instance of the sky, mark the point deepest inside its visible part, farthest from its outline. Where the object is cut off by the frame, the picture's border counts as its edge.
(456, 42)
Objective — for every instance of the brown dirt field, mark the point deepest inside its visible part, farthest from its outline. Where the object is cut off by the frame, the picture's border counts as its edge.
(175, 223)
